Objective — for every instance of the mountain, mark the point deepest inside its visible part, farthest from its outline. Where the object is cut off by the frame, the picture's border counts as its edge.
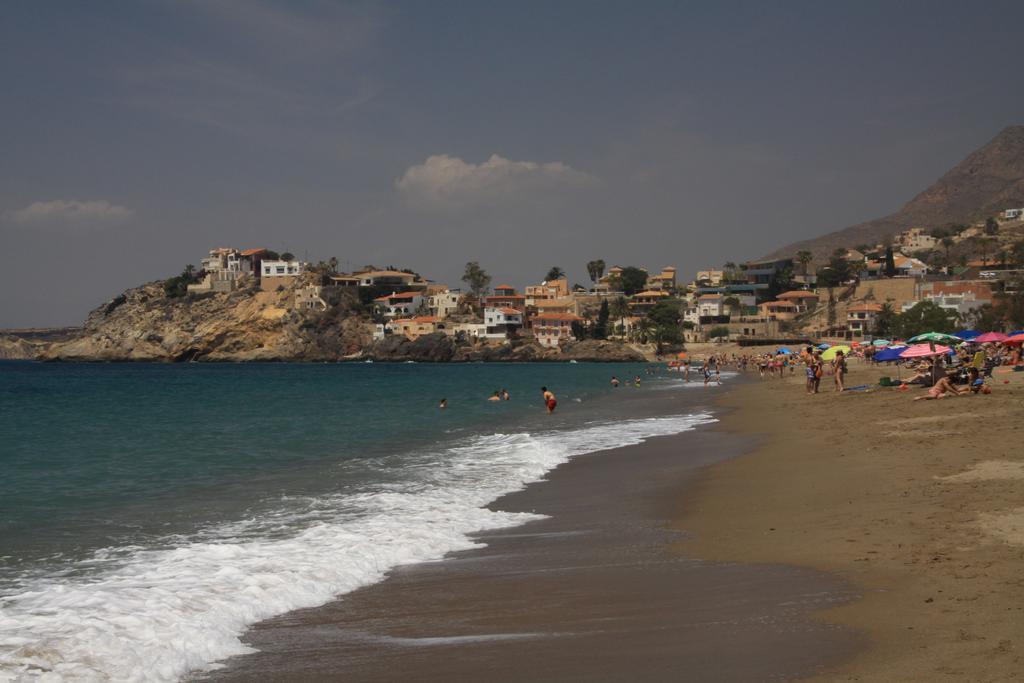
(988, 181)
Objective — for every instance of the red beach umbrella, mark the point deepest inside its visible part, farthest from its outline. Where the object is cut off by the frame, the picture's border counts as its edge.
(990, 337)
(1015, 339)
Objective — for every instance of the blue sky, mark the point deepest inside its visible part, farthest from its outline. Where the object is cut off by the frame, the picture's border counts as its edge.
(523, 135)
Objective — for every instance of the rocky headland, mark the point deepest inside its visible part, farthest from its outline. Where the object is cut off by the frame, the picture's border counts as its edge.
(144, 324)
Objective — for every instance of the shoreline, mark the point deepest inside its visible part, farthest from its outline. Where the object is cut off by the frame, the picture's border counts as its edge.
(594, 591)
(915, 504)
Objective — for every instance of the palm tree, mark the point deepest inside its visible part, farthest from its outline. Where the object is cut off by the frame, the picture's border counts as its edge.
(947, 244)
(643, 329)
(804, 257)
(985, 244)
(595, 269)
(555, 273)
(333, 263)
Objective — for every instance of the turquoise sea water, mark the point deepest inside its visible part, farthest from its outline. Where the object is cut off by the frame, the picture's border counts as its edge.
(149, 513)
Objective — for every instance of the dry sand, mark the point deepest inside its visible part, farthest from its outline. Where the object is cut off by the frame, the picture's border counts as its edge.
(916, 504)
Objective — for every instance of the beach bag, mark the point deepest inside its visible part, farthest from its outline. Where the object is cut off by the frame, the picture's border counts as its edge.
(817, 372)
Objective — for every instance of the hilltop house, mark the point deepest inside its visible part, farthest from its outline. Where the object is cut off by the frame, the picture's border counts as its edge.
(414, 328)
(505, 297)
(916, 239)
(399, 304)
(1013, 214)
(665, 280)
(906, 266)
(502, 322)
(395, 280)
(224, 267)
(274, 274)
(953, 295)
(552, 329)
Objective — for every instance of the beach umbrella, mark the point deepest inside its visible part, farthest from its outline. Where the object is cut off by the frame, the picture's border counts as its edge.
(823, 346)
(1016, 338)
(681, 354)
(832, 351)
(1016, 332)
(890, 354)
(923, 351)
(881, 342)
(967, 335)
(784, 351)
(939, 337)
(991, 337)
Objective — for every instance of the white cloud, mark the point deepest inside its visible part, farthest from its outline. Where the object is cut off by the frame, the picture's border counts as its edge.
(449, 181)
(92, 212)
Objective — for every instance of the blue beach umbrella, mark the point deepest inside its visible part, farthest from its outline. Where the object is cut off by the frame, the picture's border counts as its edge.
(967, 335)
(890, 354)
(824, 346)
(784, 351)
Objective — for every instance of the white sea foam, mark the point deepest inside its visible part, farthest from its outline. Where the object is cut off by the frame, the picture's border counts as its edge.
(155, 615)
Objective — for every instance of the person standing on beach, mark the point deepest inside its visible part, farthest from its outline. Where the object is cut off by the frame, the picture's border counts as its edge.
(839, 366)
(550, 402)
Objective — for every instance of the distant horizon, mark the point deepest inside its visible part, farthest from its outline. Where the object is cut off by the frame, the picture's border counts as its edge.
(137, 136)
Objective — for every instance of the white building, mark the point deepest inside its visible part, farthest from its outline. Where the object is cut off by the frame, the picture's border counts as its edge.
(710, 305)
(552, 329)
(502, 322)
(444, 304)
(1013, 214)
(400, 304)
(280, 268)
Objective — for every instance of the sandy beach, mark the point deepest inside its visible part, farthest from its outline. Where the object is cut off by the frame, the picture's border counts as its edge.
(917, 505)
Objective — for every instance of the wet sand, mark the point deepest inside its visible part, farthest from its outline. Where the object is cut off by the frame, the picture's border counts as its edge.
(594, 592)
(919, 505)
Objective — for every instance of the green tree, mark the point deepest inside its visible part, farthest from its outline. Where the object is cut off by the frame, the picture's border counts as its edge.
(1017, 252)
(666, 316)
(333, 263)
(601, 328)
(886, 321)
(595, 269)
(718, 332)
(991, 226)
(985, 245)
(804, 258)
(555, 273)
(632, 280)
(890, 263)
(836, 271)
(926, 316)
(287, 256)
(620, 309)
(732, 304)
(476, 279)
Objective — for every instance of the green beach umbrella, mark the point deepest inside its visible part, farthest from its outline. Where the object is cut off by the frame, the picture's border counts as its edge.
(937, 337)
(881, 342)
(831, 353)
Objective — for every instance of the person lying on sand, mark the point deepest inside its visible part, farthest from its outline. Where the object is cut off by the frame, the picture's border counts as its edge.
(941, 389)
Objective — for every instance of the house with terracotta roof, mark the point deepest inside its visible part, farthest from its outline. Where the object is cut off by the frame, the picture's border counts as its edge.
(860, 318)
(553, 329)
(801, 298)
(502, 322)
(953, 295)
(906, 266)
(399, 304)
(505, 296)
(665, 280)
(648, 299)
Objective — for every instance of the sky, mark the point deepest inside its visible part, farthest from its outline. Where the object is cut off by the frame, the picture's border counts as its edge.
(136, 135)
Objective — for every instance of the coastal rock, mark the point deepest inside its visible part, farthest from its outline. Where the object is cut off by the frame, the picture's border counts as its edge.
(600, 351)
(430, 348)
(16, 348)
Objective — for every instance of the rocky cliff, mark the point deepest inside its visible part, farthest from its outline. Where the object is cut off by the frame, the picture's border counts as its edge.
(144, 324)
(988, 181)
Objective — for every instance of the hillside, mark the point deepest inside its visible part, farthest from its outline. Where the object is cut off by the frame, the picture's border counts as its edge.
(988, 181)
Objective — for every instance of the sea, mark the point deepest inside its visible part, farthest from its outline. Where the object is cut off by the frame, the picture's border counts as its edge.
(150, 514)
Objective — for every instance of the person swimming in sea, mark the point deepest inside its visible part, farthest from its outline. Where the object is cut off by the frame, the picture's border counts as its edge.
(505, 396)
(550, 402)
(615, 381)
(496, 396)
(444, 404)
